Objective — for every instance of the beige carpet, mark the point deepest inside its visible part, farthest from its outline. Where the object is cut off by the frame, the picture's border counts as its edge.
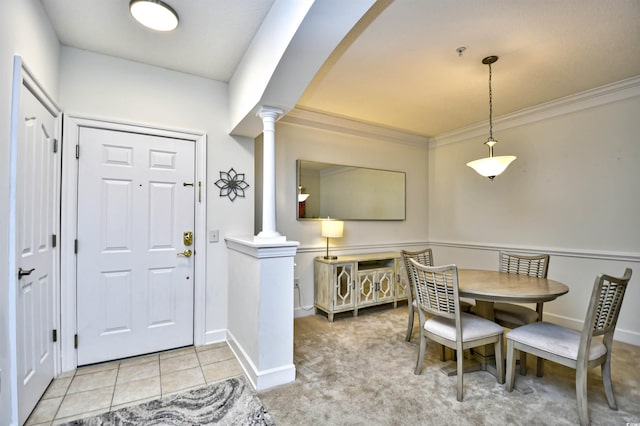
(359, 371)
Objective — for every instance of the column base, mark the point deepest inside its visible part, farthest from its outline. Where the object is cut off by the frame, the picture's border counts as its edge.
(270, 237)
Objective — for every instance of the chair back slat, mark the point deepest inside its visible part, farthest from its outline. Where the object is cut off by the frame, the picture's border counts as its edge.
(436, 289)
(609, 292)
(424, 257)
(534, 266)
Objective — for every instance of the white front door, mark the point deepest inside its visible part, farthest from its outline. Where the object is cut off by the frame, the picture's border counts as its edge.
(36, 224)
(134, 268)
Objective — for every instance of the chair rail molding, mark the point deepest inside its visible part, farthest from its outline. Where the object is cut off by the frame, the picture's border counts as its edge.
(563, 252)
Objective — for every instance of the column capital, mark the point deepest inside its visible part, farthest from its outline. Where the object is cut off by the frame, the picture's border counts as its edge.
(268, 111)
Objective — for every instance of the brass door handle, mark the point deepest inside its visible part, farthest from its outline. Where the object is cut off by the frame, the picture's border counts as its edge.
(186, 253)
(22, 272)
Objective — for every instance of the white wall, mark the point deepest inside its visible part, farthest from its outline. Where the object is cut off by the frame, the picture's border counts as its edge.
(359, 148)
(26, 32)
(573, 191)
(106, 87)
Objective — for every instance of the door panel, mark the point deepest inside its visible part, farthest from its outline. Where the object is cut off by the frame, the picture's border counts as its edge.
(134, 291)
(36, 223)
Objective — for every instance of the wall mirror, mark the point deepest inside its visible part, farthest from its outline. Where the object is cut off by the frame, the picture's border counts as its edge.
(348, 192)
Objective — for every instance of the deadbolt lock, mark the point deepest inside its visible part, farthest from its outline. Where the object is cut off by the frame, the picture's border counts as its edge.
(187, 238)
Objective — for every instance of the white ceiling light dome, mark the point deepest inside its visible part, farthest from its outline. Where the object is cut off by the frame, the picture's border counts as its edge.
(154, 14)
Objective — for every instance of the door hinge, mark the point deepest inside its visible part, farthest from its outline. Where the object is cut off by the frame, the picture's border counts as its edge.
(75, 341)
(77, 151)
(55, 335)
(54, 240)
(75, 246)
(55, 145)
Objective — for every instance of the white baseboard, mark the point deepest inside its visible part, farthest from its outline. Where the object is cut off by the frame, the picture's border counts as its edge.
(305, 311)
(215, 336)
(265, 379)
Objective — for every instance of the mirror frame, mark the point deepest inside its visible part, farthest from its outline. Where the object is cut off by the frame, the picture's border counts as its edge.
(375, 197)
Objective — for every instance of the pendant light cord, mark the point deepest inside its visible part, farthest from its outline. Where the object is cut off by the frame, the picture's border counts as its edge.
(490, 107)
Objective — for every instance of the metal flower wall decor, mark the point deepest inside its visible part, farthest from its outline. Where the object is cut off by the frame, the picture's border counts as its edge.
(231, 184)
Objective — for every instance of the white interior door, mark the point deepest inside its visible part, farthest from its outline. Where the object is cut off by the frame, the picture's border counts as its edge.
(36, 220)
(134, 276)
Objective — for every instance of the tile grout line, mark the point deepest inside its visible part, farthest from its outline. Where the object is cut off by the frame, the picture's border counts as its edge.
(113, 393)
(66, 391)
(160, 375)
(201, 370)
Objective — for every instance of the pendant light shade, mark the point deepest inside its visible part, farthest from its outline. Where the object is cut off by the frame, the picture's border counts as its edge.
(491, 166)
(154, 14)
(301, 195)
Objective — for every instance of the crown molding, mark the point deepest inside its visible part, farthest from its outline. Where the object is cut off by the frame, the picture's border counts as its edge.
(602, 95)
(331, 123)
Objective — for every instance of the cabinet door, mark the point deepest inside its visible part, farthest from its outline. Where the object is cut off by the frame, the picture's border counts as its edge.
(385, 283)
(403, 284)
(376, 285)
(343, 295)
(367, 287)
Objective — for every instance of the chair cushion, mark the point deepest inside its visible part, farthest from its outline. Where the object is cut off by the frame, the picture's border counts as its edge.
(514, 314)
(554, 339)
(473, 327)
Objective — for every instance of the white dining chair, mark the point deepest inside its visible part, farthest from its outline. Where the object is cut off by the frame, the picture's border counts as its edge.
(576, 349)
(436, 291)
(424, 257)
(511, 315)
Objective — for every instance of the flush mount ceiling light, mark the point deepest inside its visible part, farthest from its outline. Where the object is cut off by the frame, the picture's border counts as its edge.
(154, 14)
(491, 166)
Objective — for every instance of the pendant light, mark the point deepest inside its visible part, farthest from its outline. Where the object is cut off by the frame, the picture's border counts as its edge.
(491, 166)
(154, 14)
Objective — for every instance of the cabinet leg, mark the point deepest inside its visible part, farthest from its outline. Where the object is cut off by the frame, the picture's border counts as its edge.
(330, 317)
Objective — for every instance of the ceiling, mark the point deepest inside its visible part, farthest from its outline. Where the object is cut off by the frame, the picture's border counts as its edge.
(398, 67)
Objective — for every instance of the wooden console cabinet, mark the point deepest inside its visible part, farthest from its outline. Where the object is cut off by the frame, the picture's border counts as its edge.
(349, 283)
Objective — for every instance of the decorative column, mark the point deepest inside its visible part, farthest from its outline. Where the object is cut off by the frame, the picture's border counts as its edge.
(260, 317)
(268, 232)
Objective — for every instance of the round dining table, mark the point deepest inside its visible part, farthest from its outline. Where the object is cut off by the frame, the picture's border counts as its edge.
(487, 287)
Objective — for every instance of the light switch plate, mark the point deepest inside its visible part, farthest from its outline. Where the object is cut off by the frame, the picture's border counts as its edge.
(213, 235)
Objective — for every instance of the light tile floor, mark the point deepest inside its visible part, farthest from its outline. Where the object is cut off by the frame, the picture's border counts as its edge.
(99, 388)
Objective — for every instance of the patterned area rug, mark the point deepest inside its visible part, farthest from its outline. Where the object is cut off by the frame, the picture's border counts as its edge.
(231, 402)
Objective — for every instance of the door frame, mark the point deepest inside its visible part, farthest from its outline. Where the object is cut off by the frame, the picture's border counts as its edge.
(72, 124)
(22, 75)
